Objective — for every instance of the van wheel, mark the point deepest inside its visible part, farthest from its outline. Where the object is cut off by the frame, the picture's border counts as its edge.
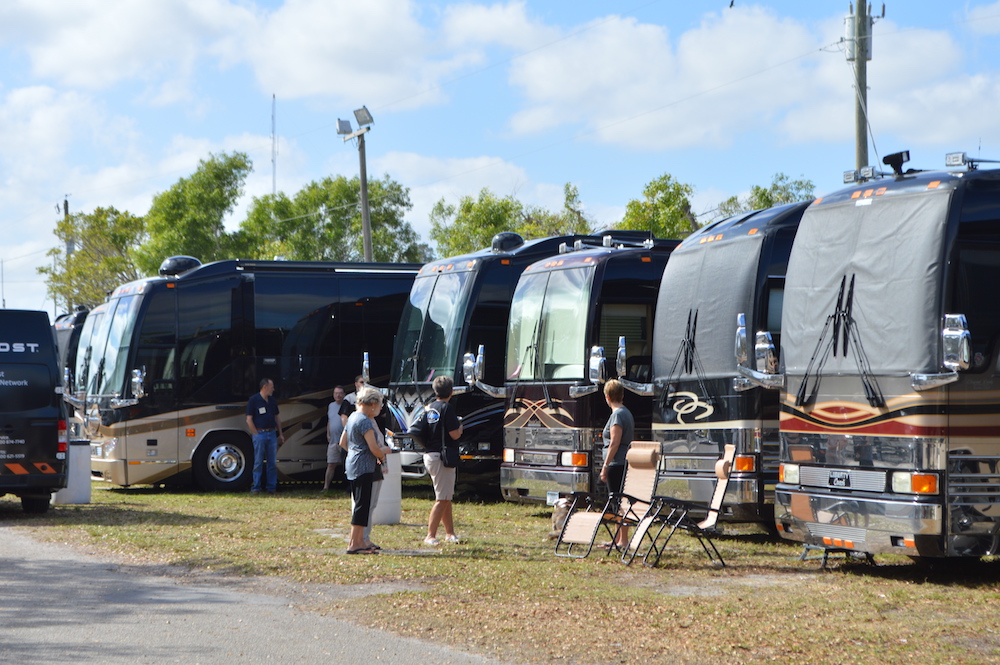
(35, 505)
(224, 463)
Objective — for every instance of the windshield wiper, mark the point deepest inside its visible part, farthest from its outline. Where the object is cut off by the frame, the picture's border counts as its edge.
(845, 335)
(690, 362)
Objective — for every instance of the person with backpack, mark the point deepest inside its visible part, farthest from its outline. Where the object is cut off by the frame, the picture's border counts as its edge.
(445, 428)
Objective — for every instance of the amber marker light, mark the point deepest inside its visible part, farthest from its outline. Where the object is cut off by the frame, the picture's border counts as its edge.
(189, 432)
(745, 463)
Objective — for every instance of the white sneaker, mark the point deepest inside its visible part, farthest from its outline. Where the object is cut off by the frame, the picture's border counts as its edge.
(431, 541)
(452, 539)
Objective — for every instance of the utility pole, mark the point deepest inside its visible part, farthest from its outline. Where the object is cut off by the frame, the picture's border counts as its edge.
(858, 38)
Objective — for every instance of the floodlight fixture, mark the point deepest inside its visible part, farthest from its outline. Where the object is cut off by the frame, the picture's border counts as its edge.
(344, 126)
(363, 116)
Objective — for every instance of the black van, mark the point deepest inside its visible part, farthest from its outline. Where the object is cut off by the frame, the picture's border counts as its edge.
(33, 441)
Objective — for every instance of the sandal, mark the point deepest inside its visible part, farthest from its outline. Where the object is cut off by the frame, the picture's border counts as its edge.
(362, 550)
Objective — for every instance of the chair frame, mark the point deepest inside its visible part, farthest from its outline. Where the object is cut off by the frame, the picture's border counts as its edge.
(621, 510)
(672, 515)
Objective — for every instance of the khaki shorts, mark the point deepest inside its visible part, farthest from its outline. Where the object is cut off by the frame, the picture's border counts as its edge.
(443, 477)
(334, 453)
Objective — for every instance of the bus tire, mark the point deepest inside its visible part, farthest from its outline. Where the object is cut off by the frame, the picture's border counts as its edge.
(224, 463)
(35, 505)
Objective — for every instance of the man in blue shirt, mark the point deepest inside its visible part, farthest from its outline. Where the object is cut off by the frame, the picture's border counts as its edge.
(265, 429)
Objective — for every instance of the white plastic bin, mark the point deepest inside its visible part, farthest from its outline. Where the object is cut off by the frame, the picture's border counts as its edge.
(389, 508)
(77, 488)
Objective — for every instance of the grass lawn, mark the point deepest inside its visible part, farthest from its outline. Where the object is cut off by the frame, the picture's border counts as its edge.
(504, 594)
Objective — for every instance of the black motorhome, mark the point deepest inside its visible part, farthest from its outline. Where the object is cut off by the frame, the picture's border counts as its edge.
(166, 365)
(600, 293)
(730, 273)
(33, 441)
(890, 366)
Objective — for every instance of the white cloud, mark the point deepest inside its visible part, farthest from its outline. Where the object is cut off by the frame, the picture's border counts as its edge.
(95, 44)
(985, 19)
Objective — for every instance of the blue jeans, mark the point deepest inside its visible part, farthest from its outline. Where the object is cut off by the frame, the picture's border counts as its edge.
(265, 446)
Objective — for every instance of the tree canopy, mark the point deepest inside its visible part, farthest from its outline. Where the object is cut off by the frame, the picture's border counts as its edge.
(101, 260)
(471, 225)
(189, 218)
(782, 190)
(664, 210)
(322, 222)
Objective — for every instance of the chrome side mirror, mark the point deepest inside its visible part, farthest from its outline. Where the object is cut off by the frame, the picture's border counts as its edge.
(765, 355)
(138, 383)
(620, 360)
(597, 364)
(366, 369)
(741, 340)
(469, 368)
(957, 342)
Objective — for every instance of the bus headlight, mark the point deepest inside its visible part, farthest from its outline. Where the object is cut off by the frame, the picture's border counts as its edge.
(912, 482)
(789, 473)
(508, 455)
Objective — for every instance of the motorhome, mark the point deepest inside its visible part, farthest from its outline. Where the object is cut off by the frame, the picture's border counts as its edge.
(166, 364)
(731, 270)
(569, 312)
(890, 366)
(457, 309)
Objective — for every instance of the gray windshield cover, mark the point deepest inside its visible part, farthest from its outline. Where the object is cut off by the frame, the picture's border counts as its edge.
(718, 280)
(893, 246)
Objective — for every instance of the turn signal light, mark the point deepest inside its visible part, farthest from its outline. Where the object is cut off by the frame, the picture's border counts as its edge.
(789, 473)
(909, 482)
(574, 459)
(746, 463)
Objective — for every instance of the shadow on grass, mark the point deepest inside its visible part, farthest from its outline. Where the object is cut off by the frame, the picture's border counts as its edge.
(965, 572)
(104, 515)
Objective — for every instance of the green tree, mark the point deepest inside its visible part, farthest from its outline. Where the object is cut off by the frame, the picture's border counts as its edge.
(101, 260)
(664, 210)
(189, 218)
(782, 190)
(471, 225)
(322, 222)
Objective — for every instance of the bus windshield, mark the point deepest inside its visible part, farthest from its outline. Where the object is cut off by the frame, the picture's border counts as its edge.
(104, 344)
(546, 337)
(430, 329)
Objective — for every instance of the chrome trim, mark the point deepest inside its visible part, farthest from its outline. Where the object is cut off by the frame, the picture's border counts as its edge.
(769, 381)
(580, 391)
(642, 389)
(921, 382)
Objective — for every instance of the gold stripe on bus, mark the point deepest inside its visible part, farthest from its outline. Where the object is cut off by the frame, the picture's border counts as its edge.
(726, 424)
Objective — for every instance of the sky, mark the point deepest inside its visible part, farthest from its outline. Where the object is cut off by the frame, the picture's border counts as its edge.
(109, 102)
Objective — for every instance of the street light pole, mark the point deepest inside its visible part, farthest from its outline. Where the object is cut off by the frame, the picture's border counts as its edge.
(366, 221)
(364, 119)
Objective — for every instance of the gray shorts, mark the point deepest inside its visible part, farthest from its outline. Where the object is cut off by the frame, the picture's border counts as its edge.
(443, 477)
(334, 453)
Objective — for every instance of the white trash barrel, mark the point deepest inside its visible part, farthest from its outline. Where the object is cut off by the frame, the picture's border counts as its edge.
(77, 488)
(389, 508)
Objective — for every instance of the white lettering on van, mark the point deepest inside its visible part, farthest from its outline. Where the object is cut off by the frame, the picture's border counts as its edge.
(18, 347)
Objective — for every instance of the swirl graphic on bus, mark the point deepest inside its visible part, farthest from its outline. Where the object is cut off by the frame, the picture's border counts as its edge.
(686, 403)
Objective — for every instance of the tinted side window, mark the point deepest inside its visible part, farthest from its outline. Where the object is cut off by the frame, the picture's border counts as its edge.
(204, 341)
(977, 272)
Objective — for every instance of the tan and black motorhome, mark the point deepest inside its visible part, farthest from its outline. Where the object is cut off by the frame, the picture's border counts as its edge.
(166, 364)
(890, 367)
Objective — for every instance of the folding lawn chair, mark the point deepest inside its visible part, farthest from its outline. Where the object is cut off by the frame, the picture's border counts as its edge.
(673, 514)
(623, 509)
